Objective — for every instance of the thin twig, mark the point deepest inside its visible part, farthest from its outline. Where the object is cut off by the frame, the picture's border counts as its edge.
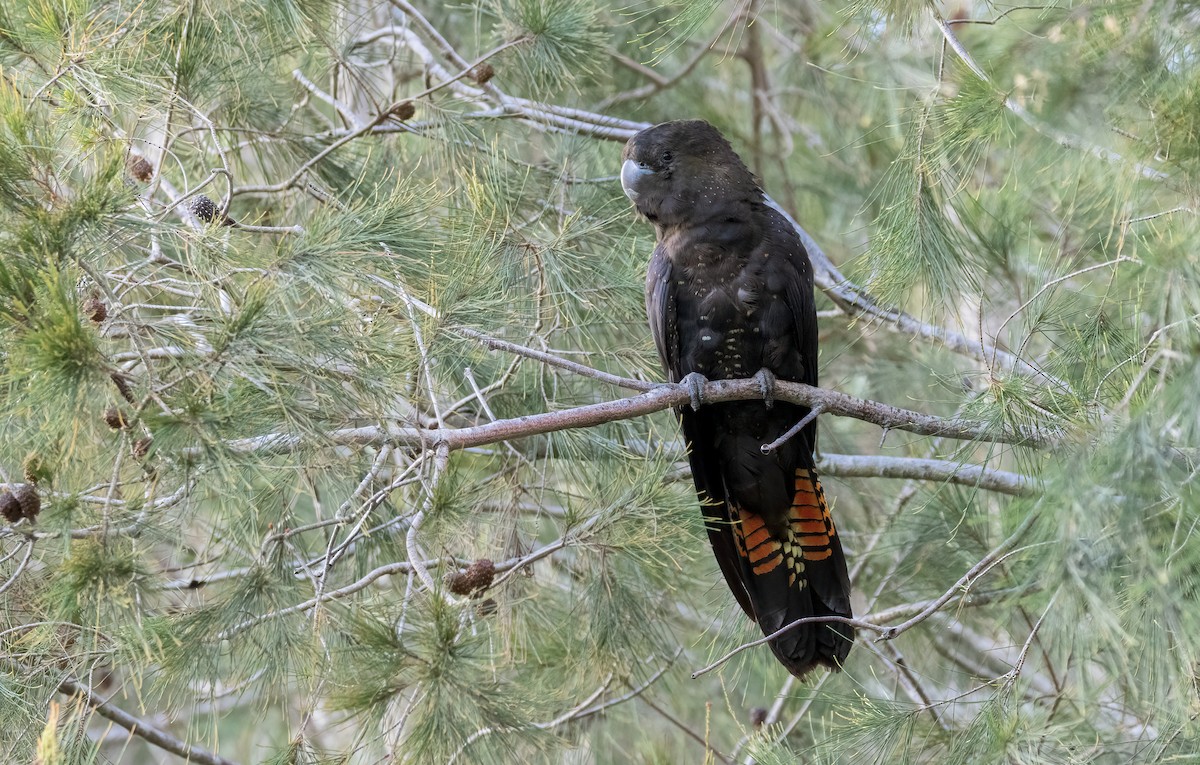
(440, 460)
(1052, 283)
(504, 568)
(570, 714)
(701, 740)
(1020, 664)
(400, 567)
(658, 82)
(799, 426)
(497, 344)
(20, 567)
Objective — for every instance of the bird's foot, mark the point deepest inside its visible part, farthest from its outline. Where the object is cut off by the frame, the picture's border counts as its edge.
(695, 383)
(766, 383)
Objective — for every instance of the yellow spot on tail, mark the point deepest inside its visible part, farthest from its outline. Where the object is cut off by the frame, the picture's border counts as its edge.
(808, 535)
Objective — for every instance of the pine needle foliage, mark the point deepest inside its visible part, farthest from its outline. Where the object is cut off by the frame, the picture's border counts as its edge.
(256, 260)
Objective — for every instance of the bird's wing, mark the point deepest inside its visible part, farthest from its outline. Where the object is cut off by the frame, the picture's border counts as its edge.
(706, 473)
(661, 312)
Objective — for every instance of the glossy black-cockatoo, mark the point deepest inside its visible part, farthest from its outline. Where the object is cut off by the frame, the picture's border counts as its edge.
(729, 294)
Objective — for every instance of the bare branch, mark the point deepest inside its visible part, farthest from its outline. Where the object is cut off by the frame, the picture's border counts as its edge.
(662, 397)
(945, 471)
(139, 727)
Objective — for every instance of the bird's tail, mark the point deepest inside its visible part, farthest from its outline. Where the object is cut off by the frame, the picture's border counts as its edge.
(794, 568)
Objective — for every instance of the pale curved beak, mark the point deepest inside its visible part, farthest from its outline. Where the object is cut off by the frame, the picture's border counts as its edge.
(631, 175)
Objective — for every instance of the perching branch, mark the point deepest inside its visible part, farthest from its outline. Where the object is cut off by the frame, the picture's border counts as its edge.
(662, 397)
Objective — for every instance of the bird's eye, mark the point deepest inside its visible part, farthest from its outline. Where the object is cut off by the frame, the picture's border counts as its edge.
(667, 157)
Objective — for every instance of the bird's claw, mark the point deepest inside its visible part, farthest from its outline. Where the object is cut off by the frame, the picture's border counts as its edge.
(695, 383)
(766, 383)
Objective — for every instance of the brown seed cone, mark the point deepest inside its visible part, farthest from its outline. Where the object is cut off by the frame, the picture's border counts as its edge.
(456, 582)
(475, 579)
(482, 73)
(404, 111)
(140, 168)
(94, 309)
(10, 508)
(204, 209)
(141, 447)
(487, 607)
(115, 418)
(35, 469)
(27, 497)
(480, 574)
(758, 716)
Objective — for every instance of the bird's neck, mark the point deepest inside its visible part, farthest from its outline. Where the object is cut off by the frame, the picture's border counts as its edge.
(711, 218)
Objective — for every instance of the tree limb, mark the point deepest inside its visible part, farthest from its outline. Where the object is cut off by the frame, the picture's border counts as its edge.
(662, 397)
(139, 727)
(947, 471)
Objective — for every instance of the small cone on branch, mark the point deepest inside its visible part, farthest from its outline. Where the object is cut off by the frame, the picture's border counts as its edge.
(404, 111)
(94, 309)
(456, 582)
(27, 497)
(758, 716)
(487, 607)
(141, 447)
(206, 210)
(35, 469)
(141, 169)
(10, 508)
(115, 418)
(482, 73)
(480, 574)
(476, 578)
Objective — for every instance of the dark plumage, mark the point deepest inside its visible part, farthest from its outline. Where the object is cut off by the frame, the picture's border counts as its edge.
(729, 293)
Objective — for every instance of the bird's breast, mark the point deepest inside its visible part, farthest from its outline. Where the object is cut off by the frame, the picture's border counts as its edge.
(720, 330)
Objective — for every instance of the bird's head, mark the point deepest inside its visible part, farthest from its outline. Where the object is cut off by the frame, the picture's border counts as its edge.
(680, 171)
